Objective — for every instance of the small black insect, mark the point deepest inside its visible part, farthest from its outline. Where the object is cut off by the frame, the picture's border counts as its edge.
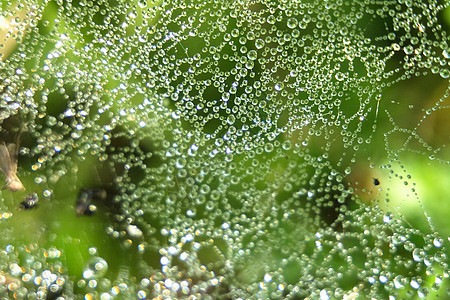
(84, 205)
(376, 181)
(30, 201)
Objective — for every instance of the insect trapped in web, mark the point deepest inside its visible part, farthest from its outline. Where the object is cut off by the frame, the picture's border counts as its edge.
(29, 202)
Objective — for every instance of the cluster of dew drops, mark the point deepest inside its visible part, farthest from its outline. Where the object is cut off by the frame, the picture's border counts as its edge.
(227, 132)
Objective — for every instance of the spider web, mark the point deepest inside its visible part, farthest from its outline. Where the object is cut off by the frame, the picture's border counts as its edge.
(263, 149)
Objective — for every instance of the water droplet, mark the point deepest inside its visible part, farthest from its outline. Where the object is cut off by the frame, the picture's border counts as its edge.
(96, 268)
(292, 23)
(339, 76)
(252, 55)
(259, 44)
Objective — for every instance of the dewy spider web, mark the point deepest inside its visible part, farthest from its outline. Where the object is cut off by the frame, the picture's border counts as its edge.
(262, 149)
